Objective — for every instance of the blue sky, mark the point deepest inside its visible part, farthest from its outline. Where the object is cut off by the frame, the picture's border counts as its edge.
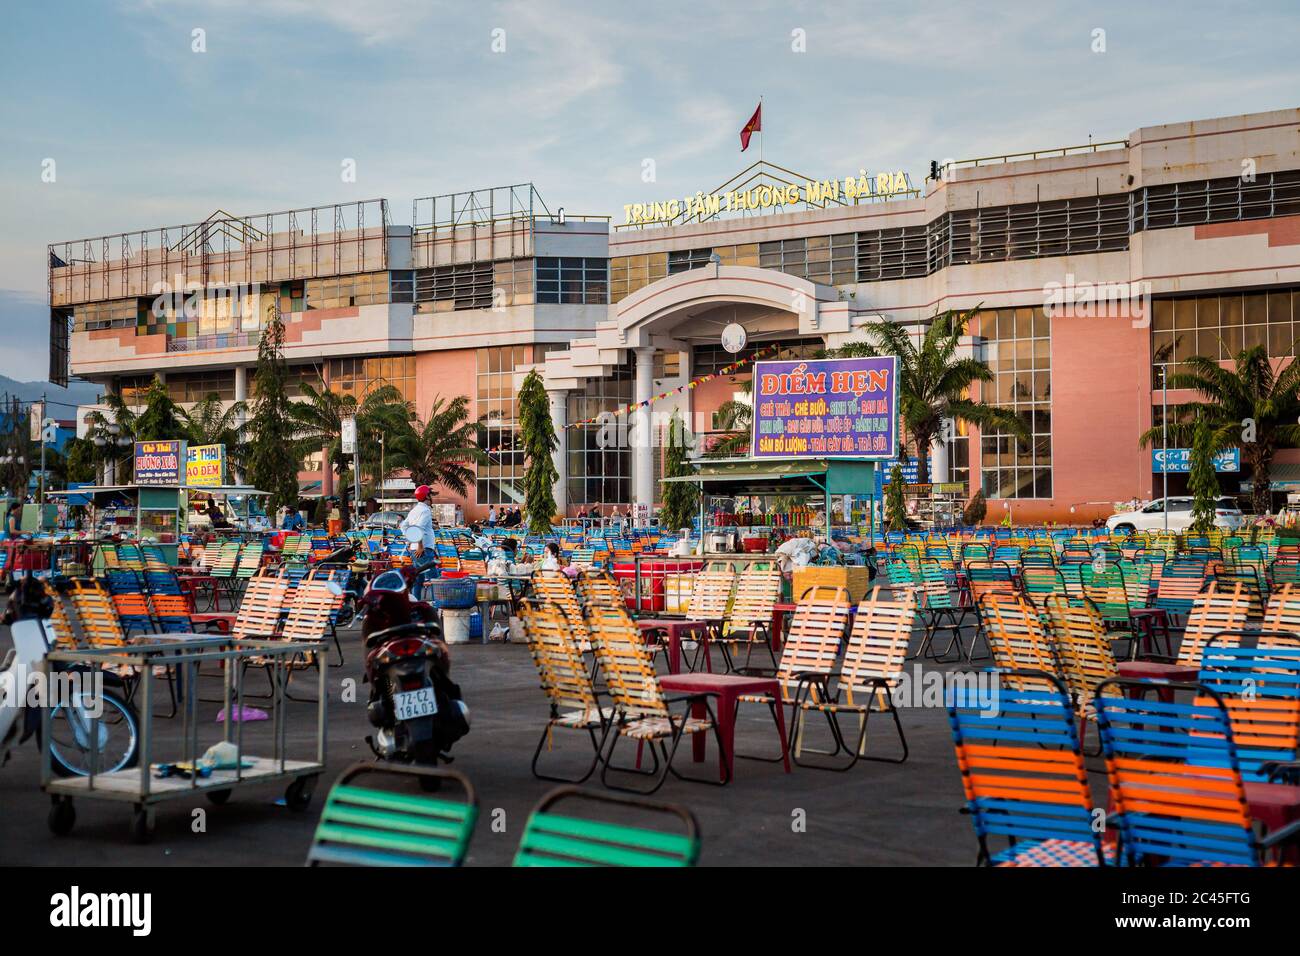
(146, 132)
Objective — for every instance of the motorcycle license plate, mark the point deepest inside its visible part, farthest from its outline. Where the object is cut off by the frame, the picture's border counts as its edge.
(415, 703)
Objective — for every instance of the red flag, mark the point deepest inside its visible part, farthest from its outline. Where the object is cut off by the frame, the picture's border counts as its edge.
(755, 125)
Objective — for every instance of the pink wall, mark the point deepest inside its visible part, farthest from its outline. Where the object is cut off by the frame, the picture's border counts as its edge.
(446, 375)
(1101, 402)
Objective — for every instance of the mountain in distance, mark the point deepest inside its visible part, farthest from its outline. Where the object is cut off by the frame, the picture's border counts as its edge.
(62, 402)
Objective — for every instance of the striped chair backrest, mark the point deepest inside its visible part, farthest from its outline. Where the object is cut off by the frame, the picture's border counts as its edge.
(96, 618)
(1083, 654)
(1021, 766)
(1178, 796)
(259, 610)
(711, 595)
(565, 677)
(1016, 635)
(816, 630)
(597, 586)
(1260, 686)
(561, 839)
(1215, 609)
(757, 593)
(367, 826)
(311, 607)
(625, 663)
(1283, 611)
(877, 644)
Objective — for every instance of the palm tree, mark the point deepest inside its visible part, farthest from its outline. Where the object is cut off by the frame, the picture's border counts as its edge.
(436, 451)
(318, 424)
(1251, 406)
(212, 422)
(735, 416)
(933, 383)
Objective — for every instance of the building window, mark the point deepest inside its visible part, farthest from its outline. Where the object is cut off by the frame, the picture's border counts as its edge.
(573, 280)
(196, 386)
(708, 359)
(500, 479)
(475, 285)
(600, 461)
(1020, 358)
(339, 292)
(116, 314)
(1216, 200)
(359, 376)
(627, 274)
(1220, 326)
(893, 254)
(683, 260)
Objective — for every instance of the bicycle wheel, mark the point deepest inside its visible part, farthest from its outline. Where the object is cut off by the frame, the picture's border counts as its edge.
(113, 740)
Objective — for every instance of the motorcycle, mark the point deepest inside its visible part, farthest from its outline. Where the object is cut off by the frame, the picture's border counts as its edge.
(416, 709)
(91, 722)
(342, 559)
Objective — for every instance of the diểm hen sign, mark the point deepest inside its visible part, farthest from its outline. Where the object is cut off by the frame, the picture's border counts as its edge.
(826, 408)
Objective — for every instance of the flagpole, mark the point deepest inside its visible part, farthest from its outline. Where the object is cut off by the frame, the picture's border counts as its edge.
(760, 129)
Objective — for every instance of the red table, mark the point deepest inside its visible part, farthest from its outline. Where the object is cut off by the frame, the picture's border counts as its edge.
(728, 688)
(675, 628)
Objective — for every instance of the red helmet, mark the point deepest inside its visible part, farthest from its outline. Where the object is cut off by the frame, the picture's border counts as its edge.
(421, 493)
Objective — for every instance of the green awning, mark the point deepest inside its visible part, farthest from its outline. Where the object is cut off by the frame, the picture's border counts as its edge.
(747, 476)
(1283, 476)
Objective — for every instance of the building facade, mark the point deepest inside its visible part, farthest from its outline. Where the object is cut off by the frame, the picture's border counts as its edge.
(1093, 272)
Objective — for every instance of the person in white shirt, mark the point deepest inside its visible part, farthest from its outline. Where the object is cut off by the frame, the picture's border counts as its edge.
(421, 517)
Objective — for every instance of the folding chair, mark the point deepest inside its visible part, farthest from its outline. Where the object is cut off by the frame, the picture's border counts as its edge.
(1213, 611)
(709, 604)
(1083, 654)
(939, 610)
(641, 712)
(1016, 635)
(749, 619)
(811, 647)
(563, 839)
(1023, 774)
(370, 826)
(1175, 781)
(871, 669)
(566, 681)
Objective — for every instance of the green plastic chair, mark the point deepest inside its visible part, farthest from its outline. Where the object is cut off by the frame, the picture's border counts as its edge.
(557, 839)
(366, 826)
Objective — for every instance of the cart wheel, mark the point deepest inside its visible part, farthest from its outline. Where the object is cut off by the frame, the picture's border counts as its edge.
(218, 797)
(142, 823)
(62, 816)
(299, 793)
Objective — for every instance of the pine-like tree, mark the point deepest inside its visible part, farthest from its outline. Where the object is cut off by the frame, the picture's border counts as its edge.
(895, 505)
(272, 464)
(1201, 480)
(681, 499)
(537, 433)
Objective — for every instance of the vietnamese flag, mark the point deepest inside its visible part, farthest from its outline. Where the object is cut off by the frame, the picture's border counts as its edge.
(755, 125)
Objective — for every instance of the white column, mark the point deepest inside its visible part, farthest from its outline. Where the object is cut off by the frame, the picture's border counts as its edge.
(241, 395)
(643, 472)
(559, 405)
(939, 454)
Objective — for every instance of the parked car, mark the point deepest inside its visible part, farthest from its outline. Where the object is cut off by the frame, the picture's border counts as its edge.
(1152, 516)
(381, 520)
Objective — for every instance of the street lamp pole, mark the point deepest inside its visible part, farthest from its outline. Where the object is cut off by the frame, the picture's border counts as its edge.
(1164, 441)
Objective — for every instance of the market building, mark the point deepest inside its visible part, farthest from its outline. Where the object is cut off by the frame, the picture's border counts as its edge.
(1094, 270)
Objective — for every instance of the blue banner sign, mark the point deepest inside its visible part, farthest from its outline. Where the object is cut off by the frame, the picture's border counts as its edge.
(1174, 460)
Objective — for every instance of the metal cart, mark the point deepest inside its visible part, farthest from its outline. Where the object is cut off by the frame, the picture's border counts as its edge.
(183, 656)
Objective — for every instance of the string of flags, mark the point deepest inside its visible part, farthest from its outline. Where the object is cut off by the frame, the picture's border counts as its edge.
(725, 370)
